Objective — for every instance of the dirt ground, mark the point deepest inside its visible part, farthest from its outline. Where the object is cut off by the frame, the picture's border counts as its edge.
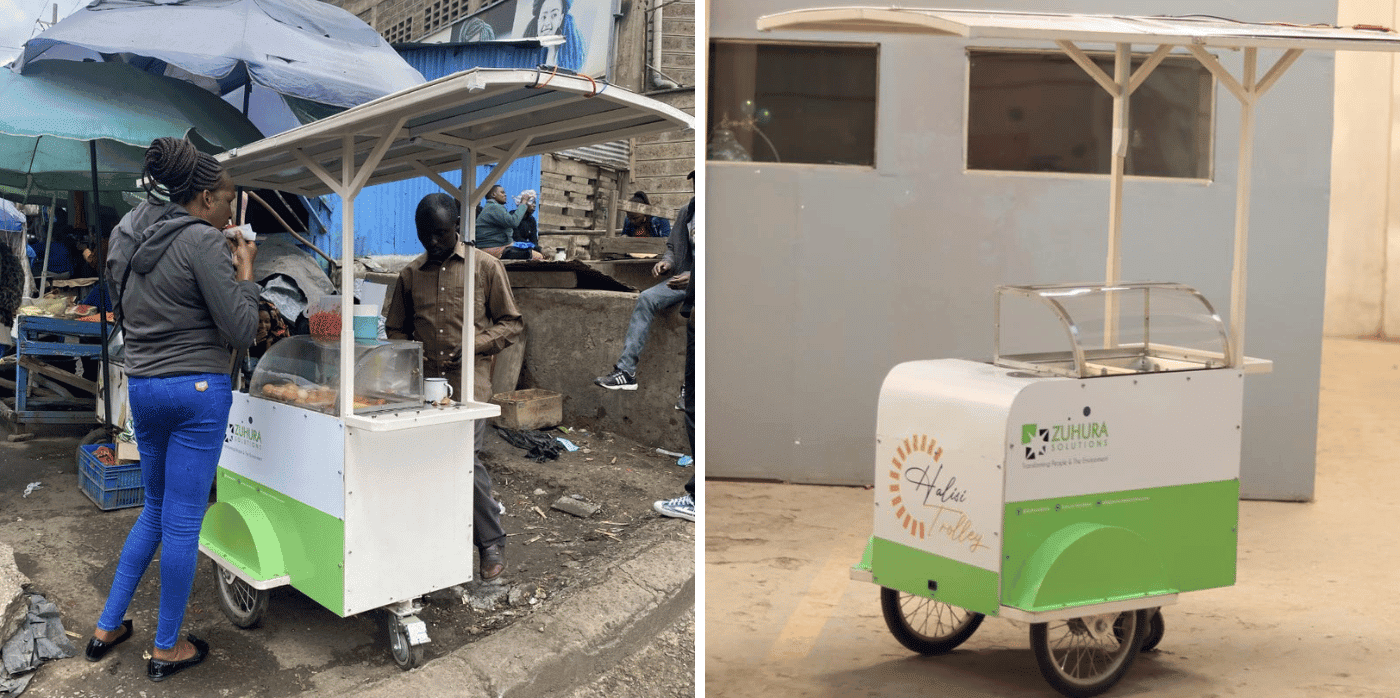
(68, 548)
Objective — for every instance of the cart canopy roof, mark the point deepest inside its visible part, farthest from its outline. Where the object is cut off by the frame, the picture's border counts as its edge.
(499, 114)
(1182, 30)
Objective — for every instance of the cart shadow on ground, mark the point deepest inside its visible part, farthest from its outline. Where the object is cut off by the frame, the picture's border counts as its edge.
(68, 548)
(998, 671)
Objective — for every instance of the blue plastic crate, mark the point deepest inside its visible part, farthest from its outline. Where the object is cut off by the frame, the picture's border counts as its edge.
(109, 486)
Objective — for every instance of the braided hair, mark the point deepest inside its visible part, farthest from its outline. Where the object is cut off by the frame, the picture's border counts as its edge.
(175, 169)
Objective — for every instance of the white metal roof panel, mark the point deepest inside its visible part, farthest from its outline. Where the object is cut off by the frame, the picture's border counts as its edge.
(1161, 30)
(485, 109)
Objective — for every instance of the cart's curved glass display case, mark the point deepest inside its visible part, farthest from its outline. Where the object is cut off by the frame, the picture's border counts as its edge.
(305, 371)
(1085, 330)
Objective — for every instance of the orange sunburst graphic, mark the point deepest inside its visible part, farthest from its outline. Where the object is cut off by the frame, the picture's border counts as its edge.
(917, 443)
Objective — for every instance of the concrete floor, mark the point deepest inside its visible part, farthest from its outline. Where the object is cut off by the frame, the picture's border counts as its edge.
(1315, 610)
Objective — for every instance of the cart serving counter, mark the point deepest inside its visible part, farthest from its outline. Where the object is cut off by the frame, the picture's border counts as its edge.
(366, 503)
(1089, 472)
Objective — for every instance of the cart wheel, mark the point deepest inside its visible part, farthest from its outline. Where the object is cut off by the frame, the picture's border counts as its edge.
(924, 625)
(243, 605)
(407, 656)
(1083, 657)
(96, 436)
(1155, 628)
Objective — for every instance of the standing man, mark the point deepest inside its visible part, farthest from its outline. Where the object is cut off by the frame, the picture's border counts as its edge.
(678, 259)
(426, 305)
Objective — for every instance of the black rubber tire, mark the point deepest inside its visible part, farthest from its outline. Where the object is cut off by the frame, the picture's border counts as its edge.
(908, 617)
(243, 605)
(1156, 628)
(1128, 631)
(96, 436)
(406, 656)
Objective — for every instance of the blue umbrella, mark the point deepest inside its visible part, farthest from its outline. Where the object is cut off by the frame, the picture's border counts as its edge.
(313, 57)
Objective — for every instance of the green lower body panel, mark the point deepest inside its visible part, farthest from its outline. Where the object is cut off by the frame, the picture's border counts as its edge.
(1081, 550)
(914, 571)
(267, 534)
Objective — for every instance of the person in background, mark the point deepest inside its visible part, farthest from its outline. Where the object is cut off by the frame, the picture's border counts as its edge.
(678, 260)
(425, 305)
(495, 227)
(185, 299)
(529, 228)
(640, 225)
(683, 507)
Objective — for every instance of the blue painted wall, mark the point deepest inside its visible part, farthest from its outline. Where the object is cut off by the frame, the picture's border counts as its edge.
(384, 212)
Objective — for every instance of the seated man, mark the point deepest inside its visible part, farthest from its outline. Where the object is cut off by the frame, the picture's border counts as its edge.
(495, 227)
(679, 258)
(640, 225)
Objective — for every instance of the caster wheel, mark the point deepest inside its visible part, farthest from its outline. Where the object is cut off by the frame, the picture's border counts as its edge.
(243, 605)
(406, 656)
(924, 625)
(1083, 657)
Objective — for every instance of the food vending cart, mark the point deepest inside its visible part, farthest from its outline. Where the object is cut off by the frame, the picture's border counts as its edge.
(1088, 473)
(366, 503)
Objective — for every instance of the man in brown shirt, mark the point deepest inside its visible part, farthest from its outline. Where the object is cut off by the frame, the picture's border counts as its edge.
(426, 305)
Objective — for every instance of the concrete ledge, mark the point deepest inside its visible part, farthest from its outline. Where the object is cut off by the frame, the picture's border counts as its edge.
(574, 336)
(590, 628)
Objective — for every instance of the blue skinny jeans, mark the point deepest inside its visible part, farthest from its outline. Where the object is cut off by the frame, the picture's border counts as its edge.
(180, 432)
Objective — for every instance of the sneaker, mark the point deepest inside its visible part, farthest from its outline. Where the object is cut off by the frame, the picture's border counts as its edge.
(617, 380)
(680, 401)
(682, 507)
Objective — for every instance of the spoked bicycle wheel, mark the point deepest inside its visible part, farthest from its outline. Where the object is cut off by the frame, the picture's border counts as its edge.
(925, 625)
(243, 605)
(1086, 656)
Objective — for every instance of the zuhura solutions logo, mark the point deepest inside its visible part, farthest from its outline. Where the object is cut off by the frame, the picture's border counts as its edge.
(243, 435)
(1040, 442)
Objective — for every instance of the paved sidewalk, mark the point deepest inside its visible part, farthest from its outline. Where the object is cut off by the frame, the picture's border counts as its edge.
(637, 593)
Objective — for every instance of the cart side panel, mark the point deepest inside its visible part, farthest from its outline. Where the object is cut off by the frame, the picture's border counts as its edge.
(938, 467)
(268, 534)
(1116, 433)
(297, 452)
(1072, 551)
(408, 512)
(1122, 486)
(914, 571)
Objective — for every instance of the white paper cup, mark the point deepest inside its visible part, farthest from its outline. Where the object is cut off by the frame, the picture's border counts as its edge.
(246, 230)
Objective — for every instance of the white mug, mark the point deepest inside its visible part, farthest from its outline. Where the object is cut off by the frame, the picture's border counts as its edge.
(437, 390)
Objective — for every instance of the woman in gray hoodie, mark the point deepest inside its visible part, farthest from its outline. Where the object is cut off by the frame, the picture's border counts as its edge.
(185, 299)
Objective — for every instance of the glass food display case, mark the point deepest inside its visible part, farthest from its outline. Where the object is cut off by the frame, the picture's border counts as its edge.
(305, 371)
(1080, 331)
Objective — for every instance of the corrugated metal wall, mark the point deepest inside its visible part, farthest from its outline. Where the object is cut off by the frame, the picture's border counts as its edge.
(384, 213)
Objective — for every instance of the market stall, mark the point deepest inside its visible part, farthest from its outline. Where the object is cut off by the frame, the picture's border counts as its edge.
(1047, 485)
(366, 503)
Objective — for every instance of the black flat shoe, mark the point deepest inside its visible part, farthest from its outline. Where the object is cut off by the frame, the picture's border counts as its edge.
(160, 670)
(97, 649)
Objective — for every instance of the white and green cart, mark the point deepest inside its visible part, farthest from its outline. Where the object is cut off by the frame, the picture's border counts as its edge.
(366, 504)
(1087, 474)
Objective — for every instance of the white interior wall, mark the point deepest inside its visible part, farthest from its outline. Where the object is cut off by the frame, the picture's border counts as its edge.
(823, 278)
(1362, 299)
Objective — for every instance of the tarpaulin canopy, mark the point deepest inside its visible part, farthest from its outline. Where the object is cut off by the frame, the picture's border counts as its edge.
(300, 48)
(10, 217)
(48, 116)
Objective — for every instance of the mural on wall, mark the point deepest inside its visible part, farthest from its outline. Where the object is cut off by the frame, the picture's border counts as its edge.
(577, 33)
